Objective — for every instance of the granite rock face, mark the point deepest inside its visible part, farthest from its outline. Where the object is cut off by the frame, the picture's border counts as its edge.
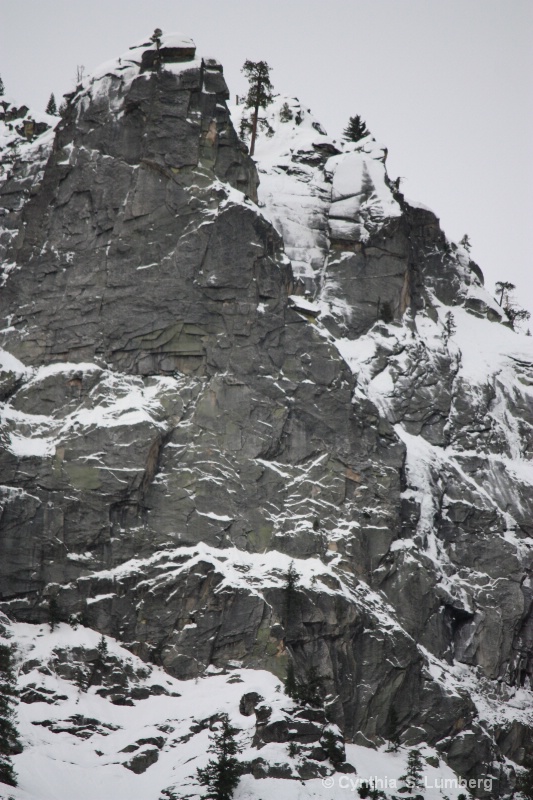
(181, 424)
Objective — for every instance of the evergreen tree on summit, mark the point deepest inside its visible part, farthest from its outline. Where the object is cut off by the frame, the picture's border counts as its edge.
(503, 289)
(51, 108)
(9, 740)
(465, 242)
(355, 130)
(259, 95)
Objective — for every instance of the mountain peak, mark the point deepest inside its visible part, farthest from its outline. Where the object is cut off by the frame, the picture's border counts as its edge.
(253, 442)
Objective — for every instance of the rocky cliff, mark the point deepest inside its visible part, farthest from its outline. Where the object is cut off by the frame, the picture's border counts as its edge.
(213, 369)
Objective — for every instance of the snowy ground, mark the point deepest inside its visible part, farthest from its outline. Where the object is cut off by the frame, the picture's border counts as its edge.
(58, 763)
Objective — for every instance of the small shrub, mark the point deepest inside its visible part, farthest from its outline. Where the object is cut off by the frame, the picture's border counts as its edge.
(293, 749)
(333, 747)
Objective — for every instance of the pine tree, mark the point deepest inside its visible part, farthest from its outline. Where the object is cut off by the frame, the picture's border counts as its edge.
(515, 314)
(307, 692)
(9, 741)
(449, 325)
(156, 37)
(413, 775)
(285, 114)
(291, 578)
(333, 747)
(291, 592)
(355, 130)
(244, 127)
(222, 775)
(259, 94)
(53, 613)
(311, 691)
(394, 727)
(2, 87)
(503, 288)
(291, 687)
(102, 648)
(466, 243)
(51, 108)
(385, 312)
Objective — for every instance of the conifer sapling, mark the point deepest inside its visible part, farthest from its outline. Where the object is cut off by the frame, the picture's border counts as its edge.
(413, 775)
(222, 774)
(51, 108)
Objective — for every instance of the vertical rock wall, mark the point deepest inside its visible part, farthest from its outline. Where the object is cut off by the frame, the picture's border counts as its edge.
(176, 431)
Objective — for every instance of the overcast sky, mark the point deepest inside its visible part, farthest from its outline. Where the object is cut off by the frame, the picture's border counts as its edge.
(446, 85)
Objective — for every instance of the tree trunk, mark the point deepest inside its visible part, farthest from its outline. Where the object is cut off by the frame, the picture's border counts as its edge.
(254, 121)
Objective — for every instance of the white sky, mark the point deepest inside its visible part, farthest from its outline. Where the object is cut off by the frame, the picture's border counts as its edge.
(446, 85)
